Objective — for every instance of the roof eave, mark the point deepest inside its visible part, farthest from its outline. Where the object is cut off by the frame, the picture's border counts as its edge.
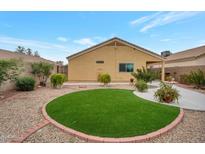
(117, 39)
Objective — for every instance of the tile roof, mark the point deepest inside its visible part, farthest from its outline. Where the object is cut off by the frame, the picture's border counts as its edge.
(186, 54)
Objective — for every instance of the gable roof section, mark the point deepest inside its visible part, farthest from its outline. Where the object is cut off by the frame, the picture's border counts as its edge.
(119, 40)
(187, 54)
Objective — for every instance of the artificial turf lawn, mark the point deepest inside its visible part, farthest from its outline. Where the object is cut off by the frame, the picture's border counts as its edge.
(110, 113)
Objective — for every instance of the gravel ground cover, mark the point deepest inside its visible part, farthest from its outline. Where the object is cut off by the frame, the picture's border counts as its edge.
(23, 111)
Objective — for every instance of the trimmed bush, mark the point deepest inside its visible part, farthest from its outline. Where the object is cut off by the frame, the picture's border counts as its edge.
(166, 93)
(25, 84)
(105, 78)
(57, 80)
(141, 85)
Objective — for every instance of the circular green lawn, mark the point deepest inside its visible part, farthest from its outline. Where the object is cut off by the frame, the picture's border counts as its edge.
(110, 113)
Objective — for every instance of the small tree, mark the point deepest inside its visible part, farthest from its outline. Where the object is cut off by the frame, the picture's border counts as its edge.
(42, 70)
(20, 49)
(36, 54)
(29, 52)
(9, 70)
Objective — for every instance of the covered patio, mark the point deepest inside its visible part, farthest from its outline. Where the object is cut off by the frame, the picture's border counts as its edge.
(160, 65)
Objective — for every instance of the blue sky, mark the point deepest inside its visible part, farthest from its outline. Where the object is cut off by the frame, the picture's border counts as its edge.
(57, 35)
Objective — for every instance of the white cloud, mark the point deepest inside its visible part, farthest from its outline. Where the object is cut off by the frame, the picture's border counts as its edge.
(162, 18)
(201, 43)
(52, 51)
(85, 41)
(62, 39)
(29, 43)
(46, 49)
(144, 19)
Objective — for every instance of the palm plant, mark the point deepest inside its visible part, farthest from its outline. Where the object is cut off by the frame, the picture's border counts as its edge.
(166, 93)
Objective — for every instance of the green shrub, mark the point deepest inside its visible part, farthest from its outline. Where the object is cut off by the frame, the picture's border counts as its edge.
(105, 78)
(141, 85)
(9, 70)
(197, 78)
(98, 77)
(166, 93)
(57, 80)
(184, 79)
(25, 83)
(168, 78)
(144, 74)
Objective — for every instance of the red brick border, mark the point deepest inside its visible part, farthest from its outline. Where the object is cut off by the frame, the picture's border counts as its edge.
(91, 138)
(30, 131)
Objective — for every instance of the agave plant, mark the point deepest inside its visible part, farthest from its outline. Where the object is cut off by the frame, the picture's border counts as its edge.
(166, 93)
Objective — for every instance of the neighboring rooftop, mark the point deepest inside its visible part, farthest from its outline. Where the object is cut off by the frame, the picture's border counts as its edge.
(6, 54)
(190, 53)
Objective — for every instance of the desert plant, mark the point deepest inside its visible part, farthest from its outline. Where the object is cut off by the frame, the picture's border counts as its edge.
(98, 77)
(25, 83)
(166, 93)
(144, 74)
(131, 80)
(141, 85)
(42, 70)
(105, 78)
(184, 79)
(197, 78)
(9, 70)
(57, 80)
(156, 74)
(169, 78)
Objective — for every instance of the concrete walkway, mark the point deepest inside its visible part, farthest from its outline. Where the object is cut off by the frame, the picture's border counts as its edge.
(189, 99)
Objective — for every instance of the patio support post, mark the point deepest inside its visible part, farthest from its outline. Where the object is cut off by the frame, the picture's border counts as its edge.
(163, 72)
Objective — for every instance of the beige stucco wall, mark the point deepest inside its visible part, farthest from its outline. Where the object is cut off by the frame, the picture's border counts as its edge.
(191, 62)
(177, 71)
(85, 68)
(199, 61)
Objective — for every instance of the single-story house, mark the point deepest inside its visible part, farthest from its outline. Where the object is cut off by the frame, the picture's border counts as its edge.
(27, 61)
(184, 62)
(115, 56)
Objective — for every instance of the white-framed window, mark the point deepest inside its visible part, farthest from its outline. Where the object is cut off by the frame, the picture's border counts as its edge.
(126, 67)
